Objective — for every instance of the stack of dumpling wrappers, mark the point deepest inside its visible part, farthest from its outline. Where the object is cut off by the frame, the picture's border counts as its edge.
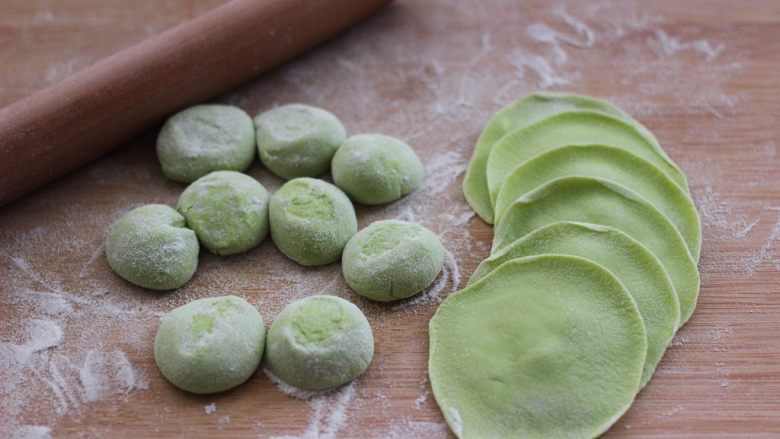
(592, 271)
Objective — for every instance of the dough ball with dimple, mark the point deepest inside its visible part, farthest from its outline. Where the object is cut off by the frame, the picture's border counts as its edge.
(311, 221)
(210, 345)
(376, 169)
(206, 138)
(298, 140)
(319, 342)
(151, 247)
(391, 260)
(228, 211)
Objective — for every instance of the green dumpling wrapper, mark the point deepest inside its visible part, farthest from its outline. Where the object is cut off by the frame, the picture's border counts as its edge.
(546, 346)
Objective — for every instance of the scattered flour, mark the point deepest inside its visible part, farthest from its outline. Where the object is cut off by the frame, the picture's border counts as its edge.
(61, 308)
(420, 401)
(680, 339)
(34, 368)
(407, 429)
(549, 73)
(292, 390)
(673, 411)
(328, 407)
(764, 253)
(52, 356)
(583, 30)
(32, 432)
(718, 215)
(457, 422)
(669, 45)
(450, 274)
(60, 71)
(550, 68)
(104, 373)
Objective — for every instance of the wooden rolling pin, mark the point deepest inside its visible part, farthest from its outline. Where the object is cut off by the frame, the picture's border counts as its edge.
(70, 123)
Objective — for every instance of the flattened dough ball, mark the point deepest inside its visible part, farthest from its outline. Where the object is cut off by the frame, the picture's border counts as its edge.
(529, 110)
(319, 342)
(573, 128)
(547, 346)
(298, 140)
(610, 163)
(391, 260)
(597, 201)
(228, 211)
(311, 221)
(210, 345)
(205, 138)
(151, 247)
(376, 169)
(633, 264)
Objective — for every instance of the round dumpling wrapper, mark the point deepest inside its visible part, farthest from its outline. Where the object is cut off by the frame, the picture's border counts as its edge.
(522, 113)
(633, 264)
(573, 128)
(597, 201)
(610, 163)
(543, 347)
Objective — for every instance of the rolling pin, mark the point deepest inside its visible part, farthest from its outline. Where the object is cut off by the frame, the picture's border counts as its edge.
(70, 123)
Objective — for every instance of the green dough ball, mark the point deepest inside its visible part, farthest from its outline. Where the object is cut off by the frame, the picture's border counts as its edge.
(597, 201)
(529, 110)
(210, 345)
(547, 346)
(376, 169)
(311, 221)
(203, 139)
(298, 140)
(391, 260)
(151, 247)
(319, 342)
(228, 210)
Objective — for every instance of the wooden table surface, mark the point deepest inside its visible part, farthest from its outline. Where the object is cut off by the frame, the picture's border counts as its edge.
(76, 341)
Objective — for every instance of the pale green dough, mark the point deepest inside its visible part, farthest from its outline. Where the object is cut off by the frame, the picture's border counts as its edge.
(543, 347)
(391, 260)
(573, 128)
(297, 140)
(531, 109)
(376, 169)
(595, 201)
(228, 211)
(311, 221)
(633, 264)
(210, 345)
(319, 343)
(203, 139)
(614, 164)
(151, 247)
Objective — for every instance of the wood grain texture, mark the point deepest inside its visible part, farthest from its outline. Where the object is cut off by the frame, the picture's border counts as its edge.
(701, 74)
(76, 120)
